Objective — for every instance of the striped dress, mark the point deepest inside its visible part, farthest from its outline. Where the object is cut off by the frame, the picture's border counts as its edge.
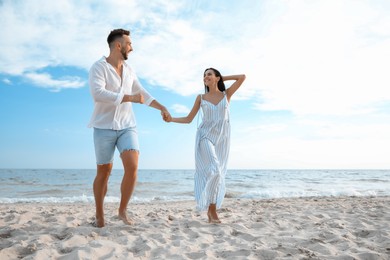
(211, 153)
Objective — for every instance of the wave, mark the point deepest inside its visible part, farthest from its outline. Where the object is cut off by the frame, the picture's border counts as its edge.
(186, 197)
(54, 186)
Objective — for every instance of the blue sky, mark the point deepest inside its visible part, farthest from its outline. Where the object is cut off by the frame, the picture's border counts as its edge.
(317, 92)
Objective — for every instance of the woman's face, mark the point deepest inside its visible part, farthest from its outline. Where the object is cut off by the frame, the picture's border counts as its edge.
(209, 78)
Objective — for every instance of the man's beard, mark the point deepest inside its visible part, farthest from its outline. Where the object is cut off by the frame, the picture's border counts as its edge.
(124, 54)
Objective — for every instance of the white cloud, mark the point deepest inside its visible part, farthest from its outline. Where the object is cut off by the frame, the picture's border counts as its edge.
(7, 81)
(264, 128)
(40, 34)
(44, 80)
(312, 144)
(314, 64)
(181, 109)
(318, 57)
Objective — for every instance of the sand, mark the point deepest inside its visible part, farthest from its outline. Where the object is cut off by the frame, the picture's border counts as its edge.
(297, 228)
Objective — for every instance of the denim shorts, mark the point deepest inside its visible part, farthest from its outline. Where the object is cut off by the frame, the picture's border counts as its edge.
(106, 140)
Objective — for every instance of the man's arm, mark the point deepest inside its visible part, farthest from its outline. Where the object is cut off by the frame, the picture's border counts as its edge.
(164, 111)
(137, 98)
(97, 85)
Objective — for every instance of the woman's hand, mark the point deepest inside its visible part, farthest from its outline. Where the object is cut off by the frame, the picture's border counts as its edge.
(166, 116)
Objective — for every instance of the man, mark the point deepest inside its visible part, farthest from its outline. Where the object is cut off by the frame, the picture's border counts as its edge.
(114, 87)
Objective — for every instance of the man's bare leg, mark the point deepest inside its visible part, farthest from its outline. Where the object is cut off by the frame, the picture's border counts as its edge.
(130, 165)
(100, 191)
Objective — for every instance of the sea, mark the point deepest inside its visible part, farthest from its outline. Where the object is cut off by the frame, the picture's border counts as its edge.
(75, 185)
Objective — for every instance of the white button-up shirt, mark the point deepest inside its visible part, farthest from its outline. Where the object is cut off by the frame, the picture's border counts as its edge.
(107, 89)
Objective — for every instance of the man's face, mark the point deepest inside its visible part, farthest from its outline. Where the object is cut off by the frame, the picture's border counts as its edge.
(126, 47)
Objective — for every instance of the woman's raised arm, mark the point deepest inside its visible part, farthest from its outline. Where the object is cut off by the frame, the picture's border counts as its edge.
(239, 79)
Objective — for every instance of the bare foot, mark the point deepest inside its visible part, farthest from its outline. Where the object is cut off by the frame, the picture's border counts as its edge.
(99, 222)
(125, 219)
(213, 218)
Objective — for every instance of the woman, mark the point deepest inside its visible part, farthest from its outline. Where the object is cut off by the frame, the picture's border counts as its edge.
(212, 140)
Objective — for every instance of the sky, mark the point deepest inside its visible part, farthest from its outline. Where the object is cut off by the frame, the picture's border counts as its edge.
(316, 94)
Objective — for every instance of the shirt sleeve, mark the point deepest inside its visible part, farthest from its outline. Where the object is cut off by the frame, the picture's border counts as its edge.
(137, 88)
(97, 84)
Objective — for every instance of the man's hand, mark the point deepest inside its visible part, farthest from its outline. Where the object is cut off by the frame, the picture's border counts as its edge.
(166, 116)
(137, 98)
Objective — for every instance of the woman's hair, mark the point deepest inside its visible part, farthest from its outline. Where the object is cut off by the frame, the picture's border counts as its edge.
(221, 85)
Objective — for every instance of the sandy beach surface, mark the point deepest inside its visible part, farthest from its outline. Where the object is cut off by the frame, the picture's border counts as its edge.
(296, 228)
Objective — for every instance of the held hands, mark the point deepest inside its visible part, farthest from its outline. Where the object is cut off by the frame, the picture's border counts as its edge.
(166, 116)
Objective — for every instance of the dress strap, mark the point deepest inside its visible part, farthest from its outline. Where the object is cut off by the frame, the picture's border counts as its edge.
(225, 96)
(200, 112)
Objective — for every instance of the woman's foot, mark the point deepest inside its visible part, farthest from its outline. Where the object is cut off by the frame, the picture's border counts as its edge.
(213, 219)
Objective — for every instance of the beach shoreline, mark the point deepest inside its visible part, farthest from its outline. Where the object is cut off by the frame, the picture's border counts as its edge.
(282, 228)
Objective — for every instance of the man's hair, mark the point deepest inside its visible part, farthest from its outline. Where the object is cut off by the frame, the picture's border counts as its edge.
(115, 34)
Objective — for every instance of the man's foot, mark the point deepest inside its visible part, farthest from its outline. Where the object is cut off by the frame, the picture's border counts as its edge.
(98, 223)
(125, 219)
